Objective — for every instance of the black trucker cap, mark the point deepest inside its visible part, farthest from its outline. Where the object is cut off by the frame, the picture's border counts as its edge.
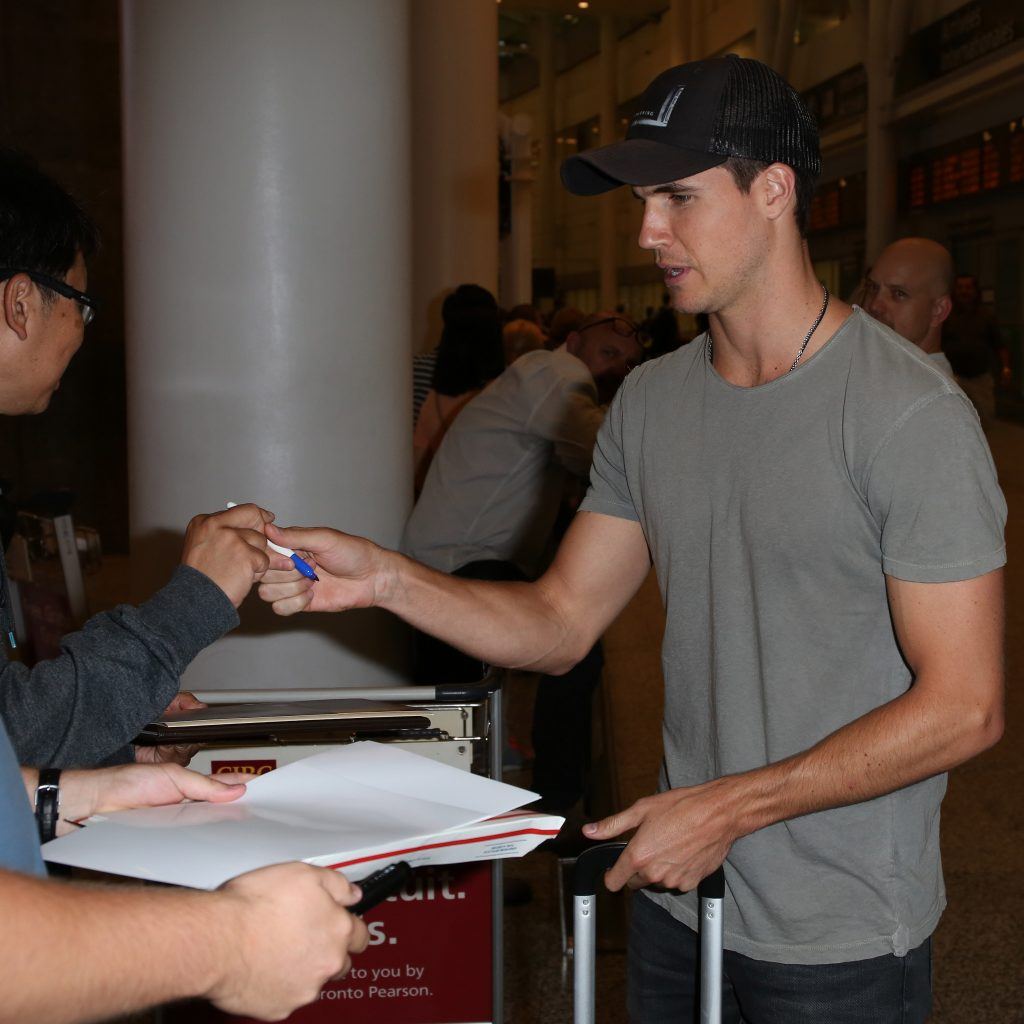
(696, 116)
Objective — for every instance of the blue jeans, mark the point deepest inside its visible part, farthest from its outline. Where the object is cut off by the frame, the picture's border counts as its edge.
(663, 982)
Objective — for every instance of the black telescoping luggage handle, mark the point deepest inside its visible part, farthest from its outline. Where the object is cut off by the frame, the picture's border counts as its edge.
(593, 862)
(590, 868)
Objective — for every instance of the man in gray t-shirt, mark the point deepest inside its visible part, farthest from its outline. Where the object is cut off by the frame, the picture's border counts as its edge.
(823, 515)
(774, 514)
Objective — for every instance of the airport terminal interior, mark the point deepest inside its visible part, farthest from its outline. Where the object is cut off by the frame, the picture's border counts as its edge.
(288, 190)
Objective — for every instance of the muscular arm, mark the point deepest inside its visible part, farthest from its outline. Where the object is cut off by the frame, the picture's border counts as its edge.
(260, 946)
(951, 635)
(107, 947)
(548, 625)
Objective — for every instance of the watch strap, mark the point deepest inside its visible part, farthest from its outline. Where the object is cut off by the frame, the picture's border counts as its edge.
(47, 803)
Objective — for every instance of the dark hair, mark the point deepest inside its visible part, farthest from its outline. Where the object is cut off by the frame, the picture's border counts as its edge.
(42, 228)
(467, 296)
(744, 172)
(470, 353)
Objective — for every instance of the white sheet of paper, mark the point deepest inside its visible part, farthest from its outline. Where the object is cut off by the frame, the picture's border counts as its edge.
(354, 797)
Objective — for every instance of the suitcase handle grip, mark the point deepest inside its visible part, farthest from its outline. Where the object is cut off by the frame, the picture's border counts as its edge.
(593, 862)
(591, 865)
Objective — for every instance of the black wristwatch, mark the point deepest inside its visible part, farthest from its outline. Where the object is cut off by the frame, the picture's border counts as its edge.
(47, 803)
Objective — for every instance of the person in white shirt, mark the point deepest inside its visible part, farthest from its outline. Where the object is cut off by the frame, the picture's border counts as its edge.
(489, 505)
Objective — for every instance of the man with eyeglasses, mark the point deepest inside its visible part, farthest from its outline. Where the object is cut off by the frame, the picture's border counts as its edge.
(123, 668)
(130, 947)
(490, 501)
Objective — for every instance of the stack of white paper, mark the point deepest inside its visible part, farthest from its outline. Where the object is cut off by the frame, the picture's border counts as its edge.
(355, 808)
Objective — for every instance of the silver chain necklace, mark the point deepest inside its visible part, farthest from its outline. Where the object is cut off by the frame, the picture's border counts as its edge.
(807, 338)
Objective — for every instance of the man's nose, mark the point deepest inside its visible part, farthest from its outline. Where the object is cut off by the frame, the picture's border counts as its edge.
(653, 231)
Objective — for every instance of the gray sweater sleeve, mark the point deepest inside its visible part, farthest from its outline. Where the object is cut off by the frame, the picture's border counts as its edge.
(116, 674)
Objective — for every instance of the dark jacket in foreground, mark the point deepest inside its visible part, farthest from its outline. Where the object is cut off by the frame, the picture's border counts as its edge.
(115, 675)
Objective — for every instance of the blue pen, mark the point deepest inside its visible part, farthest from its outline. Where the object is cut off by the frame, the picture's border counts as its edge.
(300, 563)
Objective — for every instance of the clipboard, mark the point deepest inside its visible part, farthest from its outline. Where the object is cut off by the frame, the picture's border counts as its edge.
(277, 719)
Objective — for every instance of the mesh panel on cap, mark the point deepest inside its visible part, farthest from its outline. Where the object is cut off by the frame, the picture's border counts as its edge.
(761, 117)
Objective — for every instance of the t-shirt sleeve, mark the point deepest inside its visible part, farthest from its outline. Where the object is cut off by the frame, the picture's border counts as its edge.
(609, 487)
(932, 489)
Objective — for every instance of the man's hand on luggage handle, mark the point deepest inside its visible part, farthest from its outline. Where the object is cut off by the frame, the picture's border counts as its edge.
(681, 836)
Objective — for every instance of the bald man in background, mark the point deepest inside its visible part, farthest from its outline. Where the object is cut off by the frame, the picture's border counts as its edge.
(908, 289)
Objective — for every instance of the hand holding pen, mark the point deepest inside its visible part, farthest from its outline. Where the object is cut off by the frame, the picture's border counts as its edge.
(229, 548)
(300, 563)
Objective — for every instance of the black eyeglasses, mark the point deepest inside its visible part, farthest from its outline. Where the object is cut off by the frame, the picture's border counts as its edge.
(623, 328)
(87, 305)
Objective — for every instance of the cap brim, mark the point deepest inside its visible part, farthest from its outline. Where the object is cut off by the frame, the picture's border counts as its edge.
(632, 162)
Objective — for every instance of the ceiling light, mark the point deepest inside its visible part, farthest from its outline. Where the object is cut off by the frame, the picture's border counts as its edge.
(583, 5)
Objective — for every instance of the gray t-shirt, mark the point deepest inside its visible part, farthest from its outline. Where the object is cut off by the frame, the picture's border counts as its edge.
(772, 514)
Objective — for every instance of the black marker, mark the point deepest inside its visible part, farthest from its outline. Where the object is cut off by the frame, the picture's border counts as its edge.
(380, 885)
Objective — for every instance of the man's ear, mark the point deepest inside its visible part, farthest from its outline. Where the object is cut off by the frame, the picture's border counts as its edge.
(777, 183)
(17, 296)
(941, 309)
(572, 343)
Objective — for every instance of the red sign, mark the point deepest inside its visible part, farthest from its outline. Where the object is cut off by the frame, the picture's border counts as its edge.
(248, 767)
(428, 961)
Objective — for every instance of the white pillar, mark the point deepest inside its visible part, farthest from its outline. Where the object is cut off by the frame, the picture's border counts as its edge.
(783, 52)
(267, 213)
(766, 29)
(549, 187)
(678, 27)
(888, 29)
(880, 145)
(609, 112)
(455, 151)
(517, 247)
(699, 16)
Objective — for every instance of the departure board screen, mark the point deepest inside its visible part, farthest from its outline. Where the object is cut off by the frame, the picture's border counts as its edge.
(985, 162)
(839, 203)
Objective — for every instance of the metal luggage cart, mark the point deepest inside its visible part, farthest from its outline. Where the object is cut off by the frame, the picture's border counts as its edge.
(458, 724)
